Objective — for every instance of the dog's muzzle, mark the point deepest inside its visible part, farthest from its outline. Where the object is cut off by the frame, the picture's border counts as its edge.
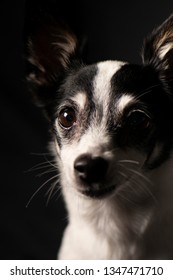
(92, 173)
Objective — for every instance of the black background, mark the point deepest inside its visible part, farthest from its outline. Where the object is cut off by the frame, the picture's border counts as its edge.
(114, 30)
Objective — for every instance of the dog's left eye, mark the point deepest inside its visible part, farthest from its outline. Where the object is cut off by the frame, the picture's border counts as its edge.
(67, 117)
(138, 119)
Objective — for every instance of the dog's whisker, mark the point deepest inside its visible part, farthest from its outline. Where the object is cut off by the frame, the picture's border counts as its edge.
(58, 191)
(142, 94)
(138, 185)
(134, 171)
(41, 168)
(47, 172)
(142, 185)
(147, 90)
(34, 194)
(38, 166)
(123, 174)
(52, 190)
(140, 175)
(124, 196)
(52, 163)
(128, 161)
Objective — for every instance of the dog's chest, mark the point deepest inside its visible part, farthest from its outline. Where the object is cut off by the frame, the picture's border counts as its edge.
(100, 232)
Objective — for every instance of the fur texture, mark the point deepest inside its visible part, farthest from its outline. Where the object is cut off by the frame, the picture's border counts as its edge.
(112, 127)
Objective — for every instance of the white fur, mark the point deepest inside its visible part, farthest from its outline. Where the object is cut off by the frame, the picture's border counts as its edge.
(102, 84)
(124, 101)
(80, 99)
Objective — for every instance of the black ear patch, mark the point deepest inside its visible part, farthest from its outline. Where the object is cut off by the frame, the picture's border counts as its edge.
(50, 48)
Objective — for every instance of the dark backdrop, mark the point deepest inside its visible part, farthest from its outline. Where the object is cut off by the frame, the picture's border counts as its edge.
(114, 30)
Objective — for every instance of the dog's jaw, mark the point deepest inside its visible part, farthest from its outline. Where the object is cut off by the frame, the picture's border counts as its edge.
(113, 230)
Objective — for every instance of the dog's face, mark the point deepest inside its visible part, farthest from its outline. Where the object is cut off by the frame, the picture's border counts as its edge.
(111, 120)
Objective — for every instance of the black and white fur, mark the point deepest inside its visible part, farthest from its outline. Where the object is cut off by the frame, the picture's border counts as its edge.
(113, 139)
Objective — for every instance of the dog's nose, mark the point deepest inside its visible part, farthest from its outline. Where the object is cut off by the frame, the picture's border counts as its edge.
(91, 169)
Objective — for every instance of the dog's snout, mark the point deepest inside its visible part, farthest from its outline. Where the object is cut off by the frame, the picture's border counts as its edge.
(91, 169)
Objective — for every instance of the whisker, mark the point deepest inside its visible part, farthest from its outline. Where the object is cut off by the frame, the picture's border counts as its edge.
(123, 174)
(34, 194)
(128, 161)
(132, 180)
(51, 162)
(47, 172)
(52, 190)
(39, 166)
(141, 175)
(142, 94)
(147, 90)
(123, 195)
(142, 185)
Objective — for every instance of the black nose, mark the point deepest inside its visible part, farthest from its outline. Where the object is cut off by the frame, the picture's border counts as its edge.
(91, 170)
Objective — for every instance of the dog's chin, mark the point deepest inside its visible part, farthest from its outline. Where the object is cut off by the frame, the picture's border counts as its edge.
(97, 191)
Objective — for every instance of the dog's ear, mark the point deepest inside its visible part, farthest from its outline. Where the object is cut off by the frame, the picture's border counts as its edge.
(51, 47)
(158, 49)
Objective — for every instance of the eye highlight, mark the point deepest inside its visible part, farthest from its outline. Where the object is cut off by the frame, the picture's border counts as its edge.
(138, 120)
(67, 118)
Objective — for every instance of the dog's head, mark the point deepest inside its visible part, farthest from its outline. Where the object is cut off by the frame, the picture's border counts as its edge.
(112, 120)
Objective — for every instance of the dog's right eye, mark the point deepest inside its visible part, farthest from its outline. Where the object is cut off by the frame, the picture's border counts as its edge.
(67, 117)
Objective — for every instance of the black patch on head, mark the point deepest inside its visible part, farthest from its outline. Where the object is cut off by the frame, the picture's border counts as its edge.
(78, 80)
(144, 84)
(135, 79)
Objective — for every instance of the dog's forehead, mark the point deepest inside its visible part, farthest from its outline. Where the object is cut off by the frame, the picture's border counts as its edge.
(95, 83)
(116, 82)
(102, 85)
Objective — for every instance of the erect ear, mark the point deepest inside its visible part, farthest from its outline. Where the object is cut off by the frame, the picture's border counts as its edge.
(158, 49)
(51, 47)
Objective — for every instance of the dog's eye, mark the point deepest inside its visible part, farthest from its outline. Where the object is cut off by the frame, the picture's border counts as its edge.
(67, 117)
(138, 119)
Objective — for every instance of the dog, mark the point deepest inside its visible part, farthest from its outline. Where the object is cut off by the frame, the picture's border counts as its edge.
(112, 128)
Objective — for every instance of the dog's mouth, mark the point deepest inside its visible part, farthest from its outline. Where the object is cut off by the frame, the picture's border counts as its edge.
(97, 191)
